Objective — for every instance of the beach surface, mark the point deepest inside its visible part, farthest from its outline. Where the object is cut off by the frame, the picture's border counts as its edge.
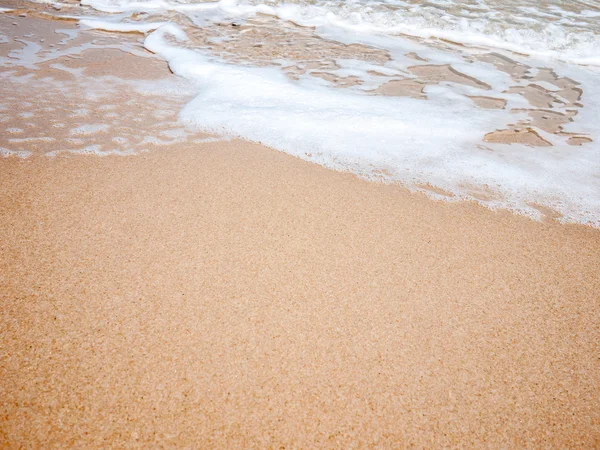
(204, 292)
(234, 296)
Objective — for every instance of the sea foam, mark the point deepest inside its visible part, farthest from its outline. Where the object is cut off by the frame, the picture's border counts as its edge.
(435, 142)
(415, 142)
(545, 30)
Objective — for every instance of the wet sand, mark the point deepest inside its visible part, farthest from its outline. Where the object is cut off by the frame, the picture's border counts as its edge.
(222, 294)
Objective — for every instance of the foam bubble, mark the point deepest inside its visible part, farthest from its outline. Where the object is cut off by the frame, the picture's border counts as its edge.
(89, 129)
(6, 153)
(30, 139)
(122, 27)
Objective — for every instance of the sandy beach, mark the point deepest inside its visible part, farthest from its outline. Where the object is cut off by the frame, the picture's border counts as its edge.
(233, 296)
(216, 293)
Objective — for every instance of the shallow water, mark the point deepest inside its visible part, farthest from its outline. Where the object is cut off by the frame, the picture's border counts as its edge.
(566, 30)
(490, 101)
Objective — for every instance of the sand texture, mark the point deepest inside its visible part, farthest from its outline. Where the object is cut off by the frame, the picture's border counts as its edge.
(212, 293)
(232, 296)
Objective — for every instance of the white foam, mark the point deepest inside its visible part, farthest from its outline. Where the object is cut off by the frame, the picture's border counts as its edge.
(153, 140)
(33, 53)
(177, 133)
(120, 140)
(95, 150)
(494, 25)
(122, 27)
(6, 153)
(31, 139)
(210, 140)
(117, 6)
(89, 129)
(75, 71)
(435, 141)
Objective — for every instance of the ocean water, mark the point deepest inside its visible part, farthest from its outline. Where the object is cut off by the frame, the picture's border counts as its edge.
(494, 101)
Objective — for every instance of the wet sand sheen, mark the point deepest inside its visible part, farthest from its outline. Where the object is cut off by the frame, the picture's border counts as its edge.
(232, 296)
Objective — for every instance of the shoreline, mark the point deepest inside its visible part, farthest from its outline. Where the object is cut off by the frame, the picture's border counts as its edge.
(538, 166)
(218, 293)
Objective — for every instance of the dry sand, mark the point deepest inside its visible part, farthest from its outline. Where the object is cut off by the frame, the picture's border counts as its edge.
(233, 296)
(227, 295)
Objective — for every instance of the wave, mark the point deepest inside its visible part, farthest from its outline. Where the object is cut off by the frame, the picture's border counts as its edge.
(519, 27)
